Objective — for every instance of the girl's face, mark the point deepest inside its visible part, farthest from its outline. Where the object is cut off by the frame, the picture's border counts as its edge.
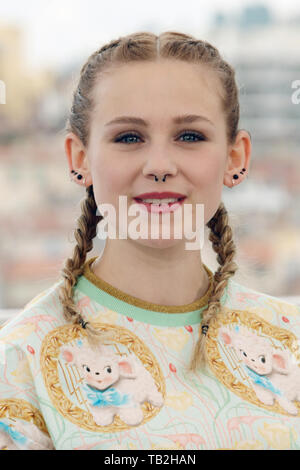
(193, 153)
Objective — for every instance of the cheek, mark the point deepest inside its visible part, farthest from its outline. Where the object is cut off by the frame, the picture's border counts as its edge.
(209, 161)
(109, 182)
(206, 175)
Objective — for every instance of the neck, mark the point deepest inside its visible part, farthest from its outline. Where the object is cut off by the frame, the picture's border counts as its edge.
(168, 276)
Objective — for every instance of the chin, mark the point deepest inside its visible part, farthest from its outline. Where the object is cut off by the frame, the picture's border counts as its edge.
(159, 243)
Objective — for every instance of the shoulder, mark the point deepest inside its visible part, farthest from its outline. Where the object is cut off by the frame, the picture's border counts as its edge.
(45, 308)
(268, 307)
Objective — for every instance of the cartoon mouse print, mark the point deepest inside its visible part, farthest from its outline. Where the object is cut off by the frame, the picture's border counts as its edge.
(113, 385)
(273, 372)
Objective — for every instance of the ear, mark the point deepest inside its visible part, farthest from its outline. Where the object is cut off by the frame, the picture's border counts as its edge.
(127, 369)
(227, 337)
(77, 158)
(280, 362)
(239, 155)
(69, 354)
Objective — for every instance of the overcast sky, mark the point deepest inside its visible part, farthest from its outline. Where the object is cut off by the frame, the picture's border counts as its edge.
(60, 31)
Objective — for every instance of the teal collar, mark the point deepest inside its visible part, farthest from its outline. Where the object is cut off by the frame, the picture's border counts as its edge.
(133, 308)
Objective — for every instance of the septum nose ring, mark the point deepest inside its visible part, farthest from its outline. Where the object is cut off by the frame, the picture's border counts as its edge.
(157, 179)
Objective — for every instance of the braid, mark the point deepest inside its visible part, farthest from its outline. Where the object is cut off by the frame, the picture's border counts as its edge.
(223, 244)
(84, 233)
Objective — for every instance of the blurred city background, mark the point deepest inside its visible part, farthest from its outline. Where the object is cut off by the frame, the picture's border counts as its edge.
(41, 51)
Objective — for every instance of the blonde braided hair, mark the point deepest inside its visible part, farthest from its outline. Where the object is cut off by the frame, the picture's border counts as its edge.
(84, 235)
(221, 237)
(142, 46)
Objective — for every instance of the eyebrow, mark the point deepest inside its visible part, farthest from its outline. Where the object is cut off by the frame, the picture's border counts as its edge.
(184, 119)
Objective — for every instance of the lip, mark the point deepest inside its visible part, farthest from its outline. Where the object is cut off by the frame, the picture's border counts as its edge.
(170, 207)
(156, 195)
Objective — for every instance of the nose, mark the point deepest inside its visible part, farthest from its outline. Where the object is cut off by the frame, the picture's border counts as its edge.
(159, 163)
(162, 177)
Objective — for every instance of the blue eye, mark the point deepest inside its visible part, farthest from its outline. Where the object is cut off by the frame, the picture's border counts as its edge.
(132, 135)
(194, 134)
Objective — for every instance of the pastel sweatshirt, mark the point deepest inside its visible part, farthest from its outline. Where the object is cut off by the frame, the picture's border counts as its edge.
(136, 391)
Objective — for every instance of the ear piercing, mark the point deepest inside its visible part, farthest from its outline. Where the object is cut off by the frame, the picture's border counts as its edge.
(235, 177)
(78, 176)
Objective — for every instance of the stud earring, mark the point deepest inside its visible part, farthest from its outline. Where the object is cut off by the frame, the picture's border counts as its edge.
(235, 177)
(78, 176)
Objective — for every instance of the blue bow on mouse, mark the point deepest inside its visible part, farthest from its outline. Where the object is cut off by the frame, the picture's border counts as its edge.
(103, 398)
(263, 381)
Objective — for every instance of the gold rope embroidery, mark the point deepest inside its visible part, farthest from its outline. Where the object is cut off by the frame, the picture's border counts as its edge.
(51, 365)
(214, 347)
(22, 409)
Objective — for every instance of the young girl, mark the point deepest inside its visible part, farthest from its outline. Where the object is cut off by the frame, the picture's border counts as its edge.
(144, 347)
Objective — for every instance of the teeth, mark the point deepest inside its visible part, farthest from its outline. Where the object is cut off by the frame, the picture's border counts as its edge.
(160, 201)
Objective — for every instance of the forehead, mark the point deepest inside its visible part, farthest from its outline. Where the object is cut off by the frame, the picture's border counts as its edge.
(150, 87)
